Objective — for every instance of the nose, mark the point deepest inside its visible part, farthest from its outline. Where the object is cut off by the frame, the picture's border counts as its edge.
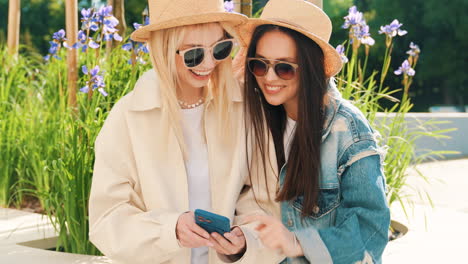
(209, 62)
(271, 75)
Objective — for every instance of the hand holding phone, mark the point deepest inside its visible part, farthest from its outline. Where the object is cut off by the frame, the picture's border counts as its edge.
(224, 241)
(189, 234)
(212, 222)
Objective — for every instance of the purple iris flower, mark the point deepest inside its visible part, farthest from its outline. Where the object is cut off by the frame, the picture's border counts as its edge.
(362, 34)
(93, 44)
(54, 46)
(86, 15)
(405, 69)
(95, 82)
(127, 46)
(136, 25)
(138, 48)
(81, 41)
(59, 35)
(358, 28)
(414, 50)
(58, 39)
(88, 19)
(229, 6)
(110, 23)
(354, 17)
(117, 37)
(341, 50)
(393, 29)
(105, 11)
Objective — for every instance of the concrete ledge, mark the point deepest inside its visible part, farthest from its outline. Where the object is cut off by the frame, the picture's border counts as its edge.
(16, 254)
(19, 226)
(24, 237)
(457, 142)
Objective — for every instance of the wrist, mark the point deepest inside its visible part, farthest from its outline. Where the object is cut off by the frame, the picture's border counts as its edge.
(297, 249)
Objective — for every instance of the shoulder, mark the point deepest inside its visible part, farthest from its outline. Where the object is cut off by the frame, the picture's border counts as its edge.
(351, 122)
(354, 136)
(114, 128)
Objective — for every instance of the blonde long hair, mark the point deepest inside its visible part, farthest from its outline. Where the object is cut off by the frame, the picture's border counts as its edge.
(163, 45)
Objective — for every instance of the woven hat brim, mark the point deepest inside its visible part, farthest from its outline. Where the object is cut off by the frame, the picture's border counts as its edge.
(332, 59)
(143, 33)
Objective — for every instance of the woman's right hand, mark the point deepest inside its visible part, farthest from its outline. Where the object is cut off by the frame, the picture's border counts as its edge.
(189, 234)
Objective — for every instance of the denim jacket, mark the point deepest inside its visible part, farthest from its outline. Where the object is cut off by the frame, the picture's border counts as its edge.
(350, 223)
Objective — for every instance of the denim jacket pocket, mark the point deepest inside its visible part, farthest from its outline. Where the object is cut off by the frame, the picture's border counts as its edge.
(328, 200)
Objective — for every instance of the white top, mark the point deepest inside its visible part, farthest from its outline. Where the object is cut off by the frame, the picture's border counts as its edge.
(288, 136)
(196, 166)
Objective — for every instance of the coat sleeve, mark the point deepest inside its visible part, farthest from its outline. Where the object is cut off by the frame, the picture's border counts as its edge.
(120, 226)
(360, 233)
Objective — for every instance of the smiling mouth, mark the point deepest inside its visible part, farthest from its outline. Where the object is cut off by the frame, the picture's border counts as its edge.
(201, 73)
(273, 88)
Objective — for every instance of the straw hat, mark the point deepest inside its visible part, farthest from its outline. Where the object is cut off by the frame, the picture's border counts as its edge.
(174, 13)
(306, 17)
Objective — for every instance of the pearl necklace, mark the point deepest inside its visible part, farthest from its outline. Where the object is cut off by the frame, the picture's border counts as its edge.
(185, 105)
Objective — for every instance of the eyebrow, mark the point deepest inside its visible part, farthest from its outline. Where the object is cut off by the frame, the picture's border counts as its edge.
(288, 59)
(199, 45)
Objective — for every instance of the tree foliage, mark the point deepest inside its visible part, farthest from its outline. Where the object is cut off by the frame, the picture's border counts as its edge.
(439, 28)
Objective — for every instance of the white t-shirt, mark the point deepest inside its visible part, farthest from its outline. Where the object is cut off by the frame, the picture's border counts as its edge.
(196, 165)
(288, 136)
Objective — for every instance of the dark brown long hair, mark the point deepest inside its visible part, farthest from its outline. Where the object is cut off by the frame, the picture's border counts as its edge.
(302, 177)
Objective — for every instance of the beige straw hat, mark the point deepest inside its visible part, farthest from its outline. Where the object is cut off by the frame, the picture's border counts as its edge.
(174, 13)
(306, 17)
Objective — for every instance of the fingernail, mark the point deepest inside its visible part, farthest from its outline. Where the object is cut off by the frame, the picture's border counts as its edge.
(210, 245)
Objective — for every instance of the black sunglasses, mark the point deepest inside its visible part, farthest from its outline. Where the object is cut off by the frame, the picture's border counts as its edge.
(283, 69)
(195, 56)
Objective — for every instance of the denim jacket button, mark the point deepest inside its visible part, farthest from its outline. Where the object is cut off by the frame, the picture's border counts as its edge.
(316, 209)
(290, 222)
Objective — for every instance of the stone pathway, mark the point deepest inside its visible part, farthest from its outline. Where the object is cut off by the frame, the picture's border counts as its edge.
(439, 234)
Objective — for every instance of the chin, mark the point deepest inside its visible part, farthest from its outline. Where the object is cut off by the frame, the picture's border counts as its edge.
(274, 101)
(199, 85)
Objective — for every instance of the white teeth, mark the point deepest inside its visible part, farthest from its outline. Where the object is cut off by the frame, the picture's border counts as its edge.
(273, 88)
(201, 73)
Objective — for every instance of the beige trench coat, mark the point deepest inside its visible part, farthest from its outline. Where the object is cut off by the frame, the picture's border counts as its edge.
(139, 187)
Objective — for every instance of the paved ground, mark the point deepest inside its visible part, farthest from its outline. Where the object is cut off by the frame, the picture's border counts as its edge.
(439, 234)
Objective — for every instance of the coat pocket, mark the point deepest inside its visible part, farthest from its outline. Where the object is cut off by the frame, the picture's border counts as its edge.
(328, 200)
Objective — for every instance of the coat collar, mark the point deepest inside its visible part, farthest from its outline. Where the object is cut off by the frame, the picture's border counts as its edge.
(146, 94)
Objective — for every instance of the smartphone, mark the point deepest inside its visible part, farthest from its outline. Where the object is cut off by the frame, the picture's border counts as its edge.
(212, 222)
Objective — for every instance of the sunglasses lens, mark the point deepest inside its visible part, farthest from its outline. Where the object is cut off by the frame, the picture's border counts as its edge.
(258, 67)
(285, 71)
(222, 50)
(194, 57)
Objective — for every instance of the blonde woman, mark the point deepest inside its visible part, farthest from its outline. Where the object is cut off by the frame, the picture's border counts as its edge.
(172, 146)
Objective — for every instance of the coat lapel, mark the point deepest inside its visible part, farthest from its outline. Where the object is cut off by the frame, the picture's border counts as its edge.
(159, 160)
